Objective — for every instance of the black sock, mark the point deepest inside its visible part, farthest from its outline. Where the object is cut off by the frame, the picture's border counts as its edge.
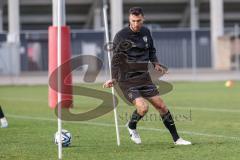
(169, 124)
(134, 120)
(1, 113)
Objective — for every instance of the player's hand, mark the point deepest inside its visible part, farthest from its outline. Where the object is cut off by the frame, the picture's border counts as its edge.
(161, 68)
(109, 83)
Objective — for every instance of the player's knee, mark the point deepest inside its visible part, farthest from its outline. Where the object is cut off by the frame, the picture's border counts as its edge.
(143, 109)
(141, 105)
(162, 107)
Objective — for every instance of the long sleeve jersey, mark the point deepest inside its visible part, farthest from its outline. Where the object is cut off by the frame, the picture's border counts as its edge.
(132, 53)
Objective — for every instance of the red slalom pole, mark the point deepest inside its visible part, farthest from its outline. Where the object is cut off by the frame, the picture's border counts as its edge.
(52, 64)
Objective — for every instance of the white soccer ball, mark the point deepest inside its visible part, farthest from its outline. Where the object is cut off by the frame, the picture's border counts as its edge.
(66, 138)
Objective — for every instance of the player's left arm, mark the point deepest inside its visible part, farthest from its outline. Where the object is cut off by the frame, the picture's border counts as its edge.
(153, 58)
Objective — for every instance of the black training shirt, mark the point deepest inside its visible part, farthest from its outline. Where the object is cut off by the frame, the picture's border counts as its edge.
(132, 52)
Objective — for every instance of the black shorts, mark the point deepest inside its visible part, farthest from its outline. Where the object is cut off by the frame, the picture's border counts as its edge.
(133, 92)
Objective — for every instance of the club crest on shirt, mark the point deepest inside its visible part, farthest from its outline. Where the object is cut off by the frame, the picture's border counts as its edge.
(145, 39)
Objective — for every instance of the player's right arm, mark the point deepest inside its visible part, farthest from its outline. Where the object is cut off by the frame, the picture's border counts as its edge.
(115, 60)
(114, 64)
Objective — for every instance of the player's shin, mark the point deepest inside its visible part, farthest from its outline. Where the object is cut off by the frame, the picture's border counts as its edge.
(134, 120)
(170, 125)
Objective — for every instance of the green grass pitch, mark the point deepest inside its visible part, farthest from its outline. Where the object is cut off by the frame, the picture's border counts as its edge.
(206, 113)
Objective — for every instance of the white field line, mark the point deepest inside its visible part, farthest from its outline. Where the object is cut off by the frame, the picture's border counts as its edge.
(122, 126)
(230, 110)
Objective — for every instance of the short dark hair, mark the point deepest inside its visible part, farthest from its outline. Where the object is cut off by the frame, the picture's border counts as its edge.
(136, 11)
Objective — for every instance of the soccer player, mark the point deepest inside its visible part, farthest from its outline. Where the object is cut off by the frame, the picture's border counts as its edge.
(136, 83)
(3, 120)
